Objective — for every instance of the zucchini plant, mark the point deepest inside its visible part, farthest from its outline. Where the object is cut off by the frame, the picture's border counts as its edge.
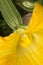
(24, 46)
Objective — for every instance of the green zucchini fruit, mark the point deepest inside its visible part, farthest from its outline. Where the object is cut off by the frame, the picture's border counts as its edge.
(10, 14)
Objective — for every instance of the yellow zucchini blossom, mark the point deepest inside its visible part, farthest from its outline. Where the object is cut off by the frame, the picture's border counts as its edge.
(24, 47)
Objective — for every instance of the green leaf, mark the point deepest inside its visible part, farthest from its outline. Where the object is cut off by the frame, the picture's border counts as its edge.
(40, 1)
(4, 28)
